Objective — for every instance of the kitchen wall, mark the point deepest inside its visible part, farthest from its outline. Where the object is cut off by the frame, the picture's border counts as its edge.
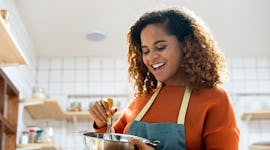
(61, 76)
(22, 76)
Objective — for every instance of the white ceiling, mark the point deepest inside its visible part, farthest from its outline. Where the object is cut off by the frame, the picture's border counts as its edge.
(59, 27)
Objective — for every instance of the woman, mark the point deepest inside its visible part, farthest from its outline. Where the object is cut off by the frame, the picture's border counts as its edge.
(176, 68)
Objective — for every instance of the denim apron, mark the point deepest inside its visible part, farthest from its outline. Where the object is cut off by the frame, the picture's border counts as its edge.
(170, 135)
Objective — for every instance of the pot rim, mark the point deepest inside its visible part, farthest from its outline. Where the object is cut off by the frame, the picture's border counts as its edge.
(95, 135)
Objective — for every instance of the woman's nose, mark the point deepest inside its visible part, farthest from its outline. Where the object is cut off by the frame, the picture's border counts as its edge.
(153, 55)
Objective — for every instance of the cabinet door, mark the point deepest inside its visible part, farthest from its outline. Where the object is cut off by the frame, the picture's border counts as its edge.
(8, 113)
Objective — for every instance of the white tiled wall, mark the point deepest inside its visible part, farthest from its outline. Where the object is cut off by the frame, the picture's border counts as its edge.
(250, 75)
(62, 76)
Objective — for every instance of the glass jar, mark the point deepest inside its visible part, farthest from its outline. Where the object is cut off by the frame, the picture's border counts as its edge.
(38, 136)
(38, 92)
(75, 107)
(24, 137)
(32, 133)
(48, 135)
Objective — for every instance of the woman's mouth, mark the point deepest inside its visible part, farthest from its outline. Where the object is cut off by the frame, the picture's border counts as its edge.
(157, 66)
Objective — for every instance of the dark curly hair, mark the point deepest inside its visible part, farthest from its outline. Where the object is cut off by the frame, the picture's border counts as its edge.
(202, 62)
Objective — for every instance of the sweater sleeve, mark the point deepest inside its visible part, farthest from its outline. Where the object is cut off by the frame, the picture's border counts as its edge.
(220, 128)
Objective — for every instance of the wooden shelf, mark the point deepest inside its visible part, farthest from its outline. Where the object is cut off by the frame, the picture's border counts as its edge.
(259, 147)
(256, 115)
(77, 116)
(44, 109)
(37, 146)
(9, 49)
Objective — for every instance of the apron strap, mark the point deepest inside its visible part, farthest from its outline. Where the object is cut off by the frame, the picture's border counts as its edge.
(148, 105)
(184, 105)
(182, 111)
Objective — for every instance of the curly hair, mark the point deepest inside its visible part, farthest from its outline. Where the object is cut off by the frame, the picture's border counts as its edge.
(202, 62)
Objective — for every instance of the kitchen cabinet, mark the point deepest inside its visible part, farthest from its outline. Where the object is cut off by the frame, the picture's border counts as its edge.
(8, 113)
(38, 146)
(256, 115)
(10, 52)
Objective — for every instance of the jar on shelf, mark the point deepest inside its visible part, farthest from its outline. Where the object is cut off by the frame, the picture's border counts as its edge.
(39, 93)
(32, 134)
(24, 137)
(48, 135)
(5, 14)
(75, 107)
(38, 136)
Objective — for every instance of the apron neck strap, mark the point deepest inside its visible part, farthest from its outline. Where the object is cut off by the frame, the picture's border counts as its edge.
(147, 105)
(184, 105)
(182, 111)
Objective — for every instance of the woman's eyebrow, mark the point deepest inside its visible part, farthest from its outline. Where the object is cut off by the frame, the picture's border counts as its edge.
(159, 41)
(156, 42)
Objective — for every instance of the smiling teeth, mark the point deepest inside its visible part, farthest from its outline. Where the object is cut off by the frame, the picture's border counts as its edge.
(157, 65)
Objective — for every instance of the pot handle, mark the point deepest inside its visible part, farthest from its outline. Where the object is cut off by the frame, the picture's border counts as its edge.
(153, 143)
(81, 132)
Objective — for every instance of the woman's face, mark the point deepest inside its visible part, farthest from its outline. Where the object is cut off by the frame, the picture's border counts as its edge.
(161, 54)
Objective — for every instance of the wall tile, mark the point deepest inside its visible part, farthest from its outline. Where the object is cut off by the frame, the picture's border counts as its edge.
(94, 63)
(43, 76)
(81, 75)
(263, 62)
(82, 63)
(68, 75)
(95, 75)
(56, 63)
(69, 63)
(108, 75)
(43, 63)
(107, 63)
(56, 76)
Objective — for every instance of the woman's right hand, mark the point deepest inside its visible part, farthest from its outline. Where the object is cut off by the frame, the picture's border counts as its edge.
(99, 113)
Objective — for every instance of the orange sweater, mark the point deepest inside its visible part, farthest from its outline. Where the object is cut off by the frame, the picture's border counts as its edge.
(210, 121)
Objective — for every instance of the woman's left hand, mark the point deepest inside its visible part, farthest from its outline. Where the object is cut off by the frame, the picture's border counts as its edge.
(140, 144)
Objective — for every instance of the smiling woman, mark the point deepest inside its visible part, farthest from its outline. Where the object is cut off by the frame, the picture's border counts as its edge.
(176, 67)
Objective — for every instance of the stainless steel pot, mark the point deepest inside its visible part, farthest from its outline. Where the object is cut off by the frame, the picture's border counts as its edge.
(95, 141)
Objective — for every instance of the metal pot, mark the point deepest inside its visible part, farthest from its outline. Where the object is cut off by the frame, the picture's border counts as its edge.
(96, 141)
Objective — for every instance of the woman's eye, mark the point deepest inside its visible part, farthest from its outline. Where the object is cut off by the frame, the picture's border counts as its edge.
(161, 47)
(145, 51)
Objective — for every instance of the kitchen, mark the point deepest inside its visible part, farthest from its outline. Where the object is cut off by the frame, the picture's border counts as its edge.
(68, 66)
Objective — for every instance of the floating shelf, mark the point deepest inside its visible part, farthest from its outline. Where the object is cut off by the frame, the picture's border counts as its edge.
(77, 116)
(256, 115)
(44, 109)
(37, 146)
(9, 49)
(259, 147)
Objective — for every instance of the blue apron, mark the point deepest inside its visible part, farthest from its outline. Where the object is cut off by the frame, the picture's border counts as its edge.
(170, 135)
